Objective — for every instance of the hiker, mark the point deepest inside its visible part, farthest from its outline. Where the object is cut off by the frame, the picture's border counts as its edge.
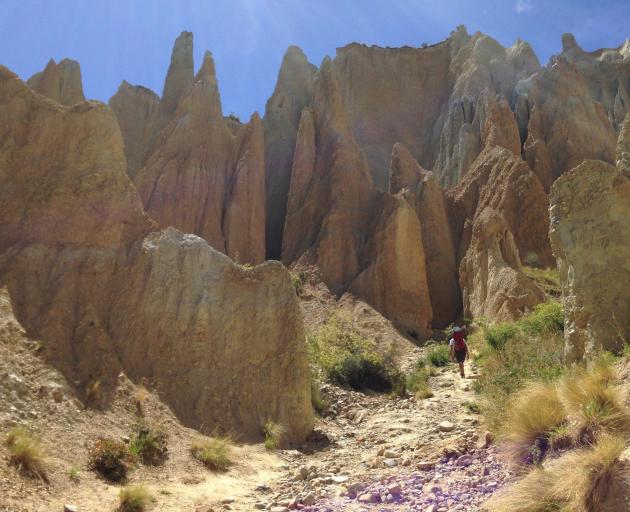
(459, 349)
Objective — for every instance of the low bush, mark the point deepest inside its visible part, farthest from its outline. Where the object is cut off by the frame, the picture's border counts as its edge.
(299, 279)
(110, 459)
(274, 435)
(214, 452)
(134, 499)
(26, 453)
(317, 400)
(150, 445)
(439, 355)
(498, 335)
(547, 317)
(536, 358)
(418, 381)
(347, 359)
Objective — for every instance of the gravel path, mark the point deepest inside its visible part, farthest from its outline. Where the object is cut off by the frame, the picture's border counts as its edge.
(373, 453)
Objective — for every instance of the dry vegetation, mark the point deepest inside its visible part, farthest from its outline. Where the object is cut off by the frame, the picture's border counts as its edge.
(134, 498)
(26, 454)
(214, 452)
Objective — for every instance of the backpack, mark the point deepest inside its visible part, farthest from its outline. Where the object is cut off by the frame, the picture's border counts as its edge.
(460, 342)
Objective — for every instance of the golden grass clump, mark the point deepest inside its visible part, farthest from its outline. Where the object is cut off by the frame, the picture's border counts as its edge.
(26, 454)
(592, 403)
(535, 414)
(214, 452)
(274, 435)
(134, 498)
(580, 481)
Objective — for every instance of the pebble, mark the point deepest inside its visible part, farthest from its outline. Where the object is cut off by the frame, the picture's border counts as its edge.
(70, 508)
(446, 426)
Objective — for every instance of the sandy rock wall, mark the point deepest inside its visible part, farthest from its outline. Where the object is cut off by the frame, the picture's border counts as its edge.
(60, 82)
(590, 235)
(491, 276)
(86, 276)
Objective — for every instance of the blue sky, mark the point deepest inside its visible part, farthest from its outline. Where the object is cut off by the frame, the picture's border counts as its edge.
(132, 39)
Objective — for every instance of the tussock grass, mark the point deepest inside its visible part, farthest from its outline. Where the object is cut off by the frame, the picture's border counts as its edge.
(348, 359)
(536, 412)
(274, 435)
(214, 453)
(134, 498)
(26, 453)
(592, 403)
(150, 445)
(317, 399)
(579, 481)
(418, 381)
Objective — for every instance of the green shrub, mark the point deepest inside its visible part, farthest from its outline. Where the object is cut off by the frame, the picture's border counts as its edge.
(214, 452)
(347, 359)
(150, 445)
(317, 400)
(26, 453)
(110, 458)
(274, 435)
(439, 355)
(546, 317)
(418, 381)
(299, 279)
(498, 335)
(505, 372)
(134, 499)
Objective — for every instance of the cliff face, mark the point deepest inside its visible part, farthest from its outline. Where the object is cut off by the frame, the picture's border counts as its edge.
(87, 276)
(339, 220)
(589, 208)
(195, 170)
(60, 82)
(293, 92)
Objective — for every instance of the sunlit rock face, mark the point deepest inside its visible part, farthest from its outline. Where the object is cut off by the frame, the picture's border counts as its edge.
(362, 239)
(590, 235)
(90, 275)
(60, 82)
(196, 170)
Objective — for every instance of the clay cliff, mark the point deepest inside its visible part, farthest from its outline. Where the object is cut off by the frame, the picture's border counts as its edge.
(89, 274)
(195, 170)
(421, 190)
(60, 82)
(293, 92)
(589, 208)
(362, 239)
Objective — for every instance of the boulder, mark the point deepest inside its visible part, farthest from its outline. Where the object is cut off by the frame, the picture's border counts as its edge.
(59, 82)
(493, 284)
(90, 276)
(590, 236)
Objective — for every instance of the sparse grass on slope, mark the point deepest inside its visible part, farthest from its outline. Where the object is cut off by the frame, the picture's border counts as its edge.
(110, 458)
(150, 445)
(26, 453)
(214, 452)
(547, 279)
(134, 499)
(418, 381)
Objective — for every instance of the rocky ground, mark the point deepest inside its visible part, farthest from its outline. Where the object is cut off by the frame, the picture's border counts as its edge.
(368, 451)
(376, 453)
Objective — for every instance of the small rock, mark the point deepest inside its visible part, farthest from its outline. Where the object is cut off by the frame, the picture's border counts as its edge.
(369, 497)
(464, 461)
(70, 508)
(390, 463)
(425, 465)
(227, 500)
(446, 426)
